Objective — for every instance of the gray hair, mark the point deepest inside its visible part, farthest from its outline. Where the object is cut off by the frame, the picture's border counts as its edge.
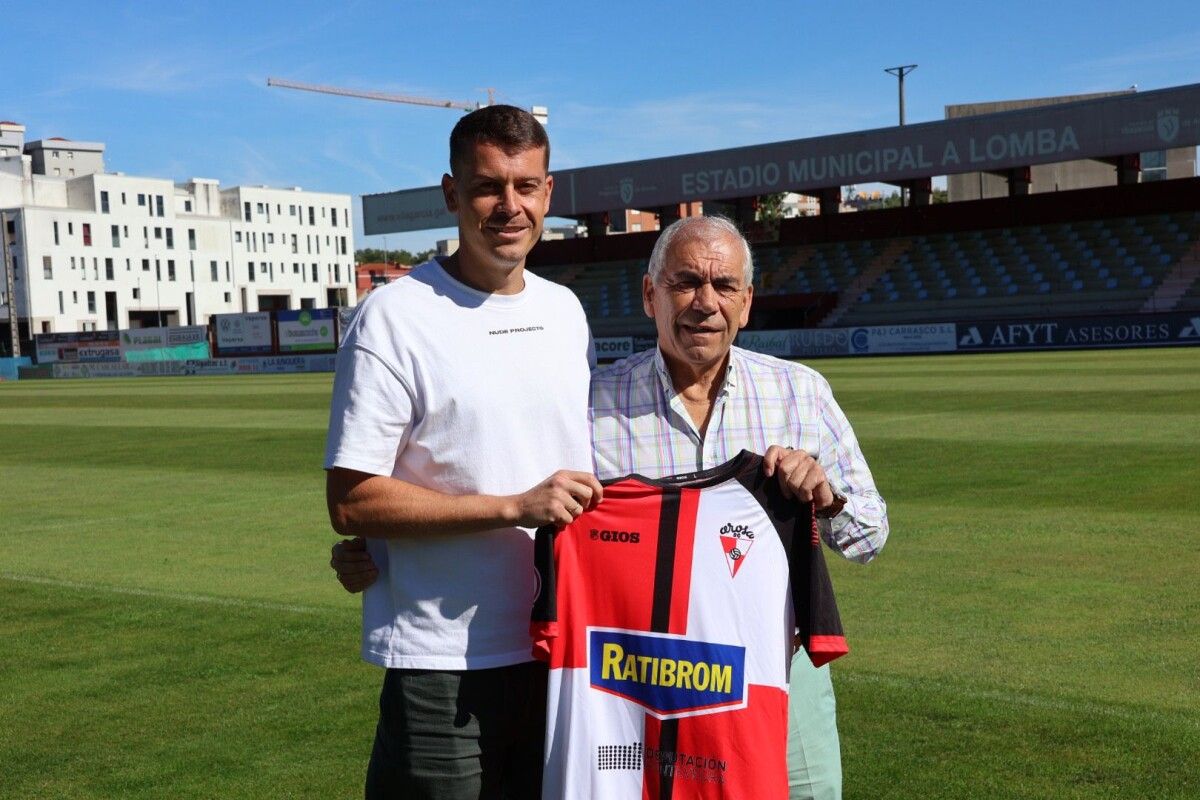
(698, 226)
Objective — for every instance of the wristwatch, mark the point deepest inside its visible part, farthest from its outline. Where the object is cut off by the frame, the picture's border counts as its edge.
(833, 509)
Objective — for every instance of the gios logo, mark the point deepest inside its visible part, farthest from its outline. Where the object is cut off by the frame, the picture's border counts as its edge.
(668, 676)
(626, 537)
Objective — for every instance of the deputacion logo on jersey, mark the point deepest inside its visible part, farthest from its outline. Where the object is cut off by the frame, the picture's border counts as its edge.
(667, 675)
(736, 540)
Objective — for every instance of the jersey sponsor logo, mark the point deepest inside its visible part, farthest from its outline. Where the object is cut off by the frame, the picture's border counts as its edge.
(667, 675)
(736, 540)
(627, 537)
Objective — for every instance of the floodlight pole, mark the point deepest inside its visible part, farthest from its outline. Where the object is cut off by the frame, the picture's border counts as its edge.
(900, 72)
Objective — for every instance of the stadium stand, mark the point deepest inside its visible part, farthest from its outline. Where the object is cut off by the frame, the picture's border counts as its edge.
(1062, 253)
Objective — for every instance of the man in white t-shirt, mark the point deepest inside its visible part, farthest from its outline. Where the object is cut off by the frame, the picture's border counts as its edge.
(458, 389)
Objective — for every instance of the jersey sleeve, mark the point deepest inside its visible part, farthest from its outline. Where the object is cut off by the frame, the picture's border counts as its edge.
(817, 618)
(543, 624)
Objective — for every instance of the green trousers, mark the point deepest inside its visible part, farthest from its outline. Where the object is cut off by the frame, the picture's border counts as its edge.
(814, 753)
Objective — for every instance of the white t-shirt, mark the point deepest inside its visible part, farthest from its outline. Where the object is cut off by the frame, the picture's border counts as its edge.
(462, 392)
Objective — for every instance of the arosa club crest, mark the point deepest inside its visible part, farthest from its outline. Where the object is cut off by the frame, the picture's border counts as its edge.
(626, 190)
(1168, 124)
(736, 541)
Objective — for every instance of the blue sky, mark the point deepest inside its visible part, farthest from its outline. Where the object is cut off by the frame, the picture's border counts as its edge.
(179, 90)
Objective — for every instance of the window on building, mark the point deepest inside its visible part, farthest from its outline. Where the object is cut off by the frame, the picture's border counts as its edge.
(145, 265)
(128, 265)
(72, 262)
(170, 269)
(55, 226)
(70, 155)
(170, 238)
(333, 217)
(61, 308)
(116, 235)
(192, 271)
(75, 298)
(227, 275)
(337, 273)
(70, 229)
(191, 238)
(295, 269)
(237, 236)
(123, 198)
(57, 172)
(87, 234)
(314, 273)
(70, 172)
(247, 210)
(137, 293)
(250, 271)
(158, 205)
(262, 267)
(103, 202)
(108, 269)
(91, 302)
(158, 270)
(187, 205)
(270, 238)
(312, 215)
(227, 297)
(47, 268)
(141, 199)
(292, 210)
(212, 267)
(295, 244)
(259, 208)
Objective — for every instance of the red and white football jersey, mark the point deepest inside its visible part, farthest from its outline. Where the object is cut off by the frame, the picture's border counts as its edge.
(667, 616)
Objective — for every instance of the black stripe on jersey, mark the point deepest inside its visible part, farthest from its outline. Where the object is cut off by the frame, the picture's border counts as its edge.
(668, 740)
(664, 563)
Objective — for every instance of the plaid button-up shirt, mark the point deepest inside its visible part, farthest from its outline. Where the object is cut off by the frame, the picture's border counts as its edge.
(639, 424)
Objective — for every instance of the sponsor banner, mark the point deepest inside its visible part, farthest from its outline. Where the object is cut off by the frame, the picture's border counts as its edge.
(882, 339)
(198, 366)
(243, 333)
(797, 342)
(1071, 333)
(669, 676)
(139, 369)
(306, 329)
(611, 348)
(75, 347)
(165, 344)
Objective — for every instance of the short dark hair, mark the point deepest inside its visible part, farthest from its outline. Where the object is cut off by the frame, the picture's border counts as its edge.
(510, 128)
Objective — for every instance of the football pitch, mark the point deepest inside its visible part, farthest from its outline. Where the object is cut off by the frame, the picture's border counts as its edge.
(170, 627)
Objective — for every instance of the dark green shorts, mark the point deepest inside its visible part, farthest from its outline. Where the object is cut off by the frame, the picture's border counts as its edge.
(460, 735)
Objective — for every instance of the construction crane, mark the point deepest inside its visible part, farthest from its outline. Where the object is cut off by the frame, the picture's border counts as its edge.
(540, 112)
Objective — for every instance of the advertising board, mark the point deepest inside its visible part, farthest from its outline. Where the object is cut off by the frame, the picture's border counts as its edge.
(308, 329)
(243, 333)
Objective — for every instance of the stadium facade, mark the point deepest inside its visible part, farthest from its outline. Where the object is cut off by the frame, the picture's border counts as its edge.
(93, 250)
(1152, 165)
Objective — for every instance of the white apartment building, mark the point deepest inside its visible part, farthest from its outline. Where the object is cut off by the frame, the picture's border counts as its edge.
(90, 249)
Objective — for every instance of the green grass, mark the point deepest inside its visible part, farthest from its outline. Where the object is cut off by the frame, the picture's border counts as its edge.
(170, 627)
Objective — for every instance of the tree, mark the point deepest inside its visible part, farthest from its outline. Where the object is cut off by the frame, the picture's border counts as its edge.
(770, 207)
(371, 255)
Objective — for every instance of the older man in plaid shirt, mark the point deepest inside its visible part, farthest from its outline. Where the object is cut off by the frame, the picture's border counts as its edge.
(694, 402)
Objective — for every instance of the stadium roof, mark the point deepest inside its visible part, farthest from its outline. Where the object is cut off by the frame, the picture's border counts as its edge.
(1106, 127)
